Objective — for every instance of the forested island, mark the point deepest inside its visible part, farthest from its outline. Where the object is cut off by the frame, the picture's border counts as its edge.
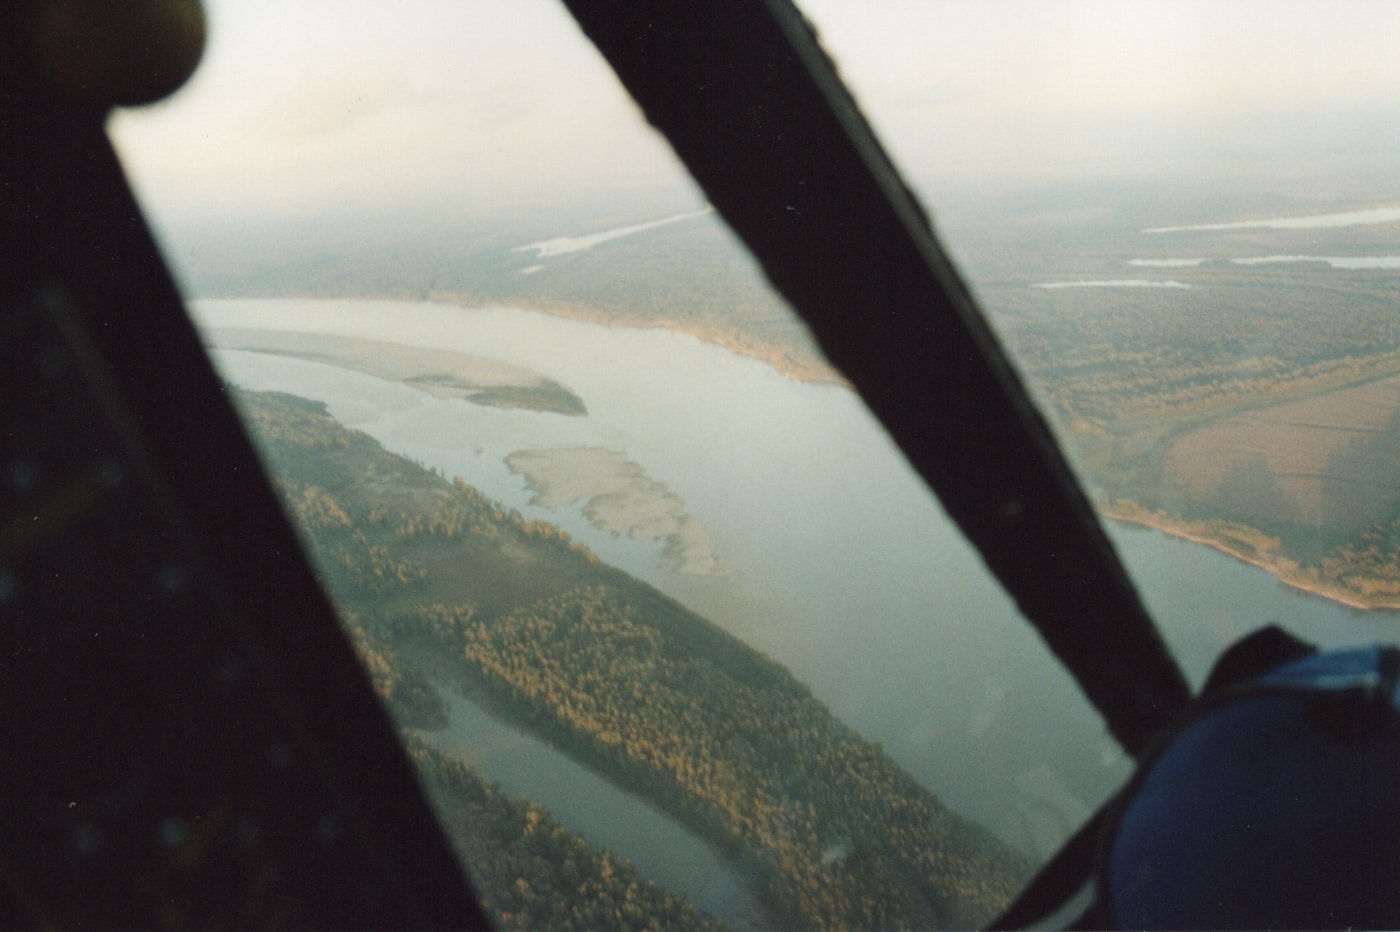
(625, 679)
(531, 872)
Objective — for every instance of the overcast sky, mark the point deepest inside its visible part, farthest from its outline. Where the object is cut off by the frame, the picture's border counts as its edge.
(301, 101)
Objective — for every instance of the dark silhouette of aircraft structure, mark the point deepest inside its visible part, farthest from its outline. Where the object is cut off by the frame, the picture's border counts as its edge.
(188, 736)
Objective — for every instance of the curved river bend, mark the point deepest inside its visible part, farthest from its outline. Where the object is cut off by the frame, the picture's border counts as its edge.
(840, 563)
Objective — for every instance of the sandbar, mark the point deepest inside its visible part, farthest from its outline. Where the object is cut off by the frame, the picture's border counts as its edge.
(441, 373)
(619, 497)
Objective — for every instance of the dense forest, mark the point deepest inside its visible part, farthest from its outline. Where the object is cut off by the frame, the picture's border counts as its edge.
(1106, 358)
(624, 679)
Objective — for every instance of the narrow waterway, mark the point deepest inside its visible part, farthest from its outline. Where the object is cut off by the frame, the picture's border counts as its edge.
(589, 805)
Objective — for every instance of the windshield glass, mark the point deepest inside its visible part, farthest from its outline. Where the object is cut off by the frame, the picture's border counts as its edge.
(670, 628)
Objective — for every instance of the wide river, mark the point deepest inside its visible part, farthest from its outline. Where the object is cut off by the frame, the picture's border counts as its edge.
(841, 565)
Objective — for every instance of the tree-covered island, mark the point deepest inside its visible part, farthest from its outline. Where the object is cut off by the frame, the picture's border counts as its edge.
(626, 680)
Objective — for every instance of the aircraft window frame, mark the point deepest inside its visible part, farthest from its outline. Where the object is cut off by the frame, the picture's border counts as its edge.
(810, 165)
(997, 514)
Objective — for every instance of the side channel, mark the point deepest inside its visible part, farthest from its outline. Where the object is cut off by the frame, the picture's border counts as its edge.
(585, 803)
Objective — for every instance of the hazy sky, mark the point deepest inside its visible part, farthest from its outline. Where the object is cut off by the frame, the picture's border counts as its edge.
(299, 102)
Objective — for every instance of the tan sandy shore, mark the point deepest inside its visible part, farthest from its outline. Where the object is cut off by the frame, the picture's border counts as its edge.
(799, 363)
(1258, 549)
(620, 498)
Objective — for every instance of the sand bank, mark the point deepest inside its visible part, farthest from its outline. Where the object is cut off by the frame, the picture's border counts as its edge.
(441, 373)
(1256, 548)
(620, 498)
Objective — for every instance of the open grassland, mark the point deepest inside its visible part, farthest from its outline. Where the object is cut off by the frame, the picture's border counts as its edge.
(1330, 460)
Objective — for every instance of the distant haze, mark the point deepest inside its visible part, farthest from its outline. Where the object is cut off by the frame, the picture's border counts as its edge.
(307, 105)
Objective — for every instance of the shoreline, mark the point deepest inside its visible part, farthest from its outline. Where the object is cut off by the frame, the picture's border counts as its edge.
(796, 363)
(1252, 547)
(789, 362)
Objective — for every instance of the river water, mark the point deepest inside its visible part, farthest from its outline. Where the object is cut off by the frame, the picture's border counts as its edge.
(596, 809)
(841, 564)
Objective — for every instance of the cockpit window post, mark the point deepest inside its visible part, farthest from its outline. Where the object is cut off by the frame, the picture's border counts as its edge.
(189, 737)
(756, 111)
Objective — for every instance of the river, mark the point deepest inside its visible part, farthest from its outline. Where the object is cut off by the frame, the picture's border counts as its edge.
(840, 564)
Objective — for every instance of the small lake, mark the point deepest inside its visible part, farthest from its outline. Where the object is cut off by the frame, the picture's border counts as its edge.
(1114, 283)
(843, 566)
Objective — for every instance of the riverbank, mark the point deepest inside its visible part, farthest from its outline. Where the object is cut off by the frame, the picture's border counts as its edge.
(799, 363)
(1252, 546)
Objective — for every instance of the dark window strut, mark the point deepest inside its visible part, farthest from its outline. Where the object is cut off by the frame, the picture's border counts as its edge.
(756, 111)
